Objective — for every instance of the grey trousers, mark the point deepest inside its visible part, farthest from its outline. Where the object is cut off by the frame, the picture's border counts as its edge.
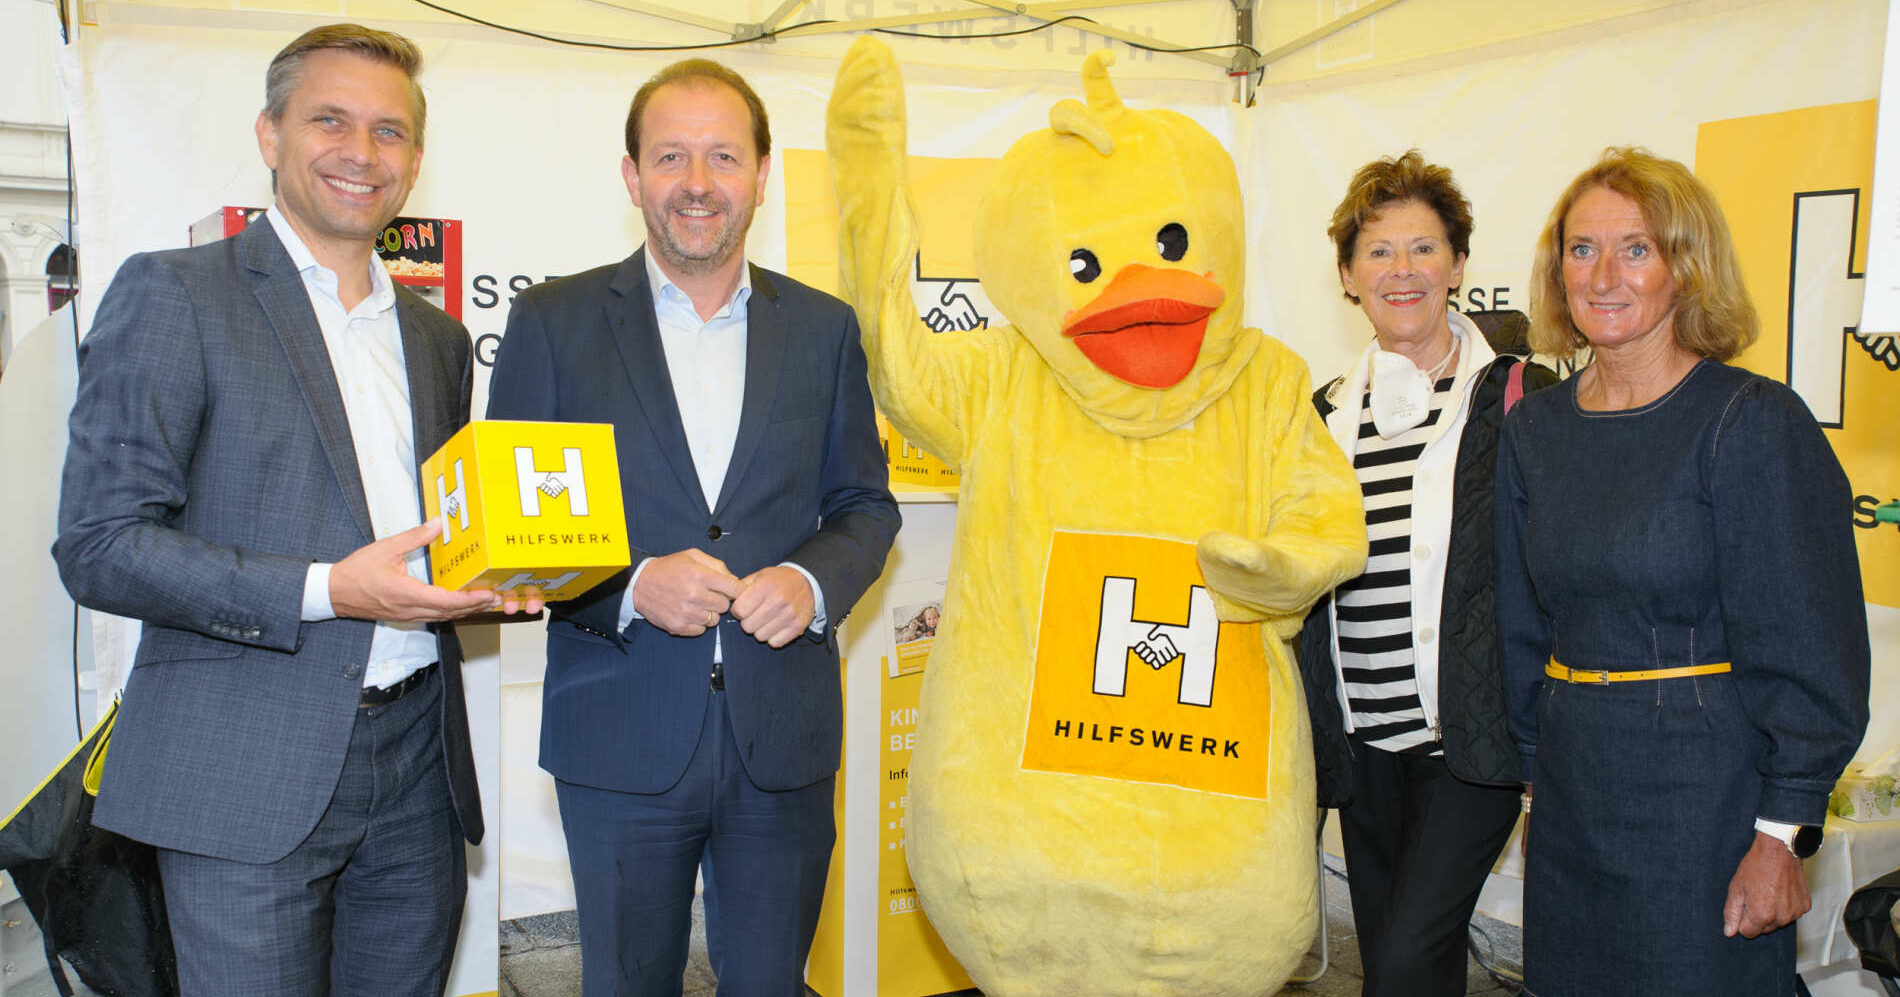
(369, 904)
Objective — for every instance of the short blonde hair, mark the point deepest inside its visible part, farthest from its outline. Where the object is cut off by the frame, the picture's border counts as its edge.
(1714, 316)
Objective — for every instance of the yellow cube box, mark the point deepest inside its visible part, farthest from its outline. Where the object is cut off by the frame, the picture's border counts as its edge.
(526, 505)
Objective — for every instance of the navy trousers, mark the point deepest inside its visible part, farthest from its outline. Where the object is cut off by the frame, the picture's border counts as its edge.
(636, 856)
(370, 904)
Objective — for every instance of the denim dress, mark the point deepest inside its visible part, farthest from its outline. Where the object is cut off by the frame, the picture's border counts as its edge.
(1711, 525)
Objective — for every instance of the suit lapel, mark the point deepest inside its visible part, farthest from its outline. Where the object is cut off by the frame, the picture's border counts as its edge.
(764, 359)
(636, 335)
(428, 391)
(425, 371)
(280, 293)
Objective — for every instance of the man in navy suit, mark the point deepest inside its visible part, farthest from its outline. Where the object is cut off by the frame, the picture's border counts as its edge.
(692, 708)
(242, 477)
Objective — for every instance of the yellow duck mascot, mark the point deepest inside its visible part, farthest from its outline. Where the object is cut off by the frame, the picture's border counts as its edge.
(1112, 792)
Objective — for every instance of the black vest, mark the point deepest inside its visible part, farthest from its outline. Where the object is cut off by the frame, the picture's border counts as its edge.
(1471, 711)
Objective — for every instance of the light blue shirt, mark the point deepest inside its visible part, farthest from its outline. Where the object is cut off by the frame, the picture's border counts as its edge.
(707, 363)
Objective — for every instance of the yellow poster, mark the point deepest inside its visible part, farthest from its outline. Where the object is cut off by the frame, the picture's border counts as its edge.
(1136, 678)
(1796, 188)
(944, 284)
(824, 967)
(911, 959)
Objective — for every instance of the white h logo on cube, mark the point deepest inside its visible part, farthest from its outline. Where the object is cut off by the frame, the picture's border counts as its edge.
(570, 481)
(1158, 644)
(454, 504)
(527, 579)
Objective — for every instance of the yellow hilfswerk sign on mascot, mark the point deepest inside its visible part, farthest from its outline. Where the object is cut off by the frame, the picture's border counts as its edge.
(1112, 791)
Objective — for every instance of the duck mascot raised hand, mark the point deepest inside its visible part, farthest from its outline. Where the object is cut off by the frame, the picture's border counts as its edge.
(1112, 791)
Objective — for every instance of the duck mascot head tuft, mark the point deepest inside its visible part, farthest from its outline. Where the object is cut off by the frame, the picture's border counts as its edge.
(1140, 211)
(1112, 792)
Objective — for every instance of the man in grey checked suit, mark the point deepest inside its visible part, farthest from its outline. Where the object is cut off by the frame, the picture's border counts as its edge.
(242, 478)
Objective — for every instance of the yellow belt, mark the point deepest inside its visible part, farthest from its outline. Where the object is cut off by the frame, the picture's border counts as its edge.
(1583, 677)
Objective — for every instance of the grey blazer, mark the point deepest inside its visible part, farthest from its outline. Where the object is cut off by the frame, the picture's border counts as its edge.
(210, 463)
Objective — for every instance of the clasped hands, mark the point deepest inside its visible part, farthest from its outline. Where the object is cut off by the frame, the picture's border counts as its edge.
(685, 593)
(373, 583)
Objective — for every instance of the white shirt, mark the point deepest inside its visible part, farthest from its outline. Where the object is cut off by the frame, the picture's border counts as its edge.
(365, 346)
(707, 363)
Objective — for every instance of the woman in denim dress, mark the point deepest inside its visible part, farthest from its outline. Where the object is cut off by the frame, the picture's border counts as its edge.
(1685, 640)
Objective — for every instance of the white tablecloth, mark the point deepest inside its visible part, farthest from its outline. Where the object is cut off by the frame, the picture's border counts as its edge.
(1852, 855)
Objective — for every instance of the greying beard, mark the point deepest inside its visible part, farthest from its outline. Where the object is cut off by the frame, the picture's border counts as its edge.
(721, 253)
(731, 242)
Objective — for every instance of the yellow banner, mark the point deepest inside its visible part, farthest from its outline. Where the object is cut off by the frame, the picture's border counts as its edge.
(911, 958)
(1135, 677)
(824, 967)
(1796, 187)
(948, 296)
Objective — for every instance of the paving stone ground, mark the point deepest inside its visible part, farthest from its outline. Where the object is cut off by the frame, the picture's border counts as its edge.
(541, 956)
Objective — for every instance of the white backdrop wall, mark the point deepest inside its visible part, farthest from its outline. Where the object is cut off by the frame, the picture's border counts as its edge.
(40, 706)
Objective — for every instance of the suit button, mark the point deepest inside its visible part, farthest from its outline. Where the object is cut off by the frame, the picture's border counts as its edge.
(352, 671)
(715, 532)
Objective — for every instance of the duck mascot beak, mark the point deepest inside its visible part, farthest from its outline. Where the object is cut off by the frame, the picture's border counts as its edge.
(1147, 325)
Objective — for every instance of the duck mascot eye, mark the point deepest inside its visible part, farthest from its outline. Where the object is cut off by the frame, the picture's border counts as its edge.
(1112, 792)
(1084, 266)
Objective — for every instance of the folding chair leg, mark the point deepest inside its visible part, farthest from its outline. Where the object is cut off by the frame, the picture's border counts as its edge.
(1325, 936)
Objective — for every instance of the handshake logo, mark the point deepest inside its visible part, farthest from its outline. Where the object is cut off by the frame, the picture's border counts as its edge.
(571, 481)
(454, 504)
(1156, 644)
(949, 304)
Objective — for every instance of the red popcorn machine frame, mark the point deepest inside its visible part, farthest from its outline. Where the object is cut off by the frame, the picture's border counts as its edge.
(422, 254)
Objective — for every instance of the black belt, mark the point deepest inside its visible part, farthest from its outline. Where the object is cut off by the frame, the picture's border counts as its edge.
(374, 697)
(719, 676)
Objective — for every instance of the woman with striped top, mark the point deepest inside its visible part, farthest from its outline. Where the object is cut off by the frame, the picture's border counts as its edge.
(1401, 663)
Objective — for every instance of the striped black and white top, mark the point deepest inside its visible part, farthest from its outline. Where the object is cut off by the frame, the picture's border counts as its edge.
(1373, 613)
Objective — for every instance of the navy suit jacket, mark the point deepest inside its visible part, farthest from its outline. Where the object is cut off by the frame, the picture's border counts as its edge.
(210, 463)
(807, 484)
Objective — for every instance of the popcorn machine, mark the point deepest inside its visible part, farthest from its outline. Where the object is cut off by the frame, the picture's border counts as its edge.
(422, 254)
